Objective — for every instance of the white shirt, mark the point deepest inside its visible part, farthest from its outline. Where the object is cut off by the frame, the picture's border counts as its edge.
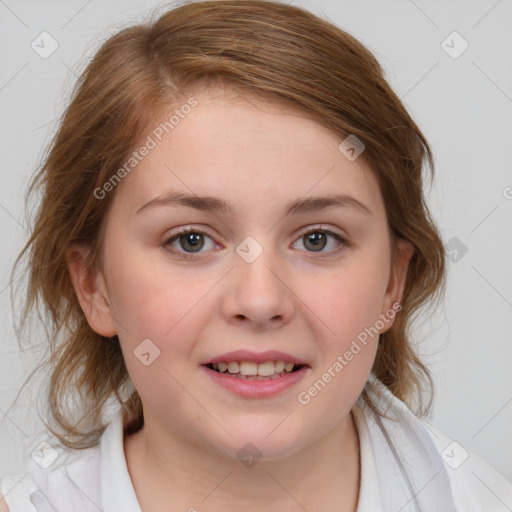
(406, 466)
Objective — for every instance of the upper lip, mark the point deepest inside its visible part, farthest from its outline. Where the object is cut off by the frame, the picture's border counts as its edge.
(257, 357)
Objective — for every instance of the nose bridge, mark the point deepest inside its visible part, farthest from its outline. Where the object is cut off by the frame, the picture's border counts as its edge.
(258, 294)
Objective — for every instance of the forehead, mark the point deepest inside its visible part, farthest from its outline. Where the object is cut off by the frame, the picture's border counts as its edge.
(247, 150)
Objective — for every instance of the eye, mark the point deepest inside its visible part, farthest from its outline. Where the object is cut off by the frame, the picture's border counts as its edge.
(317, 239)
(189, 240)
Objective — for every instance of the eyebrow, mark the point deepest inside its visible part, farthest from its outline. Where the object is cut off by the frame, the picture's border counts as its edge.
(215, 204)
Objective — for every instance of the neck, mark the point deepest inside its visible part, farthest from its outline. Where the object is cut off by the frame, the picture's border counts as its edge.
(168, 469)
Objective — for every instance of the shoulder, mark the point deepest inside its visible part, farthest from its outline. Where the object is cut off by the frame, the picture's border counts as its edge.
(476, 486)
(15, 493)
(51, 480)
(417, 463)
(59, 478)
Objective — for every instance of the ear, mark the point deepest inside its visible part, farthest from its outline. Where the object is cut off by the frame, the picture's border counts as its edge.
(90, 289)
(396, 284)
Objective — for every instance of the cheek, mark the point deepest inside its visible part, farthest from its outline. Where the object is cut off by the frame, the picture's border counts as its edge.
(162, 330)
(168, 310)
(345, 301)
(345, 306)
(348, 306)
(149, 301)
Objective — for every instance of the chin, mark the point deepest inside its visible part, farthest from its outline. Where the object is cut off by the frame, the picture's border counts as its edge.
(255, 443)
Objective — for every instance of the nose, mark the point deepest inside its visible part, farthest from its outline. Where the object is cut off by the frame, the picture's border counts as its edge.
(257, 295)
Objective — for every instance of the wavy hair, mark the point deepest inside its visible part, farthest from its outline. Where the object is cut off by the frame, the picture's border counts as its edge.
(260, 48)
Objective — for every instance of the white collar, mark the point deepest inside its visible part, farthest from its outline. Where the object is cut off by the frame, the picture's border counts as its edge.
(117, 488)
(117, 492)
(411, 473)
(369, 497)
(401, 468)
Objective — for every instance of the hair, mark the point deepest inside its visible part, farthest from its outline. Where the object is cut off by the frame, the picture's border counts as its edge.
(260, 49)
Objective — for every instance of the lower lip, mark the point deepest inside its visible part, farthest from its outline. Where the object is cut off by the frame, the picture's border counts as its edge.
(257, 388)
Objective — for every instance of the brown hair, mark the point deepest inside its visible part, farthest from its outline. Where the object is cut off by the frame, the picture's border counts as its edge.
(261, 49)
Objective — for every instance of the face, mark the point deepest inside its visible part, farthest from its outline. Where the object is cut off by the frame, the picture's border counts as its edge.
(246, 229)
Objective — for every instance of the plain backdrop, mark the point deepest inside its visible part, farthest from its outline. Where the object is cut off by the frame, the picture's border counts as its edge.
(462, 100)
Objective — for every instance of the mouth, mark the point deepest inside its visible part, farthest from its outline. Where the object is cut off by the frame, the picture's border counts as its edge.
(245, 379)
(252, 374)
(250, 370)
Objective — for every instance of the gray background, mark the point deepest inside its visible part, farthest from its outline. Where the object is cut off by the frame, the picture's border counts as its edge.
(464, 107)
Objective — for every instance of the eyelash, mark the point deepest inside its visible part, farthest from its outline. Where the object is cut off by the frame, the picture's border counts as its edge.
(190, 256)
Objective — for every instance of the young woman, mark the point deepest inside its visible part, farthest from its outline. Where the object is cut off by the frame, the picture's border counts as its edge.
(231, 242)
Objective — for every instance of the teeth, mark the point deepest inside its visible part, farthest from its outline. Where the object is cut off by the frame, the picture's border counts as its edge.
(254, 377)
(248, 368)
(289, 367)
(253, 371)
(265, 369)
(279, 366)
(233, 367)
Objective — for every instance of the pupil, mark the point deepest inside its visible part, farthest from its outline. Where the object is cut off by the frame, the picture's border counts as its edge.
(317, 240)
(193, 240)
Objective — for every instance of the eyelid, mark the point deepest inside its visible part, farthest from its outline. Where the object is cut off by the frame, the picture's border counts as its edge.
(189, 228)
(321, 227)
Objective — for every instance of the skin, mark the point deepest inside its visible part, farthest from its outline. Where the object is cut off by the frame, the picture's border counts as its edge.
(311, 304)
